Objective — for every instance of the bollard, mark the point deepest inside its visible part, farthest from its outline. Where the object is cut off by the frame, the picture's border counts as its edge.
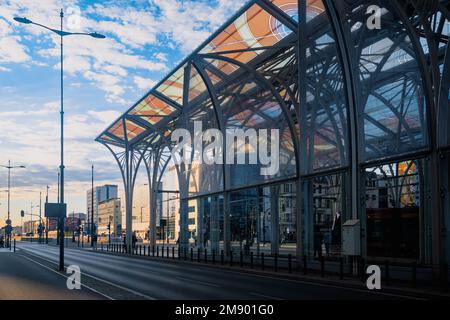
(305, 265)
(262, 260)
(341, 268)
(192, 254)
(221, 257)
(167, 256)
(140, 250)
(290, 263)
(275, 262)
(386, 266)
(213, 256)
(241, 259)
(162, 252)
(14, 245)
(153, 251)
(251, 260)
(414, 274)
(231, 258)
(363, 270)
(173, 252)
(206, 256)
(157, 251)
(185, 254)
(198, 254)
(444, 276)
(322, 266)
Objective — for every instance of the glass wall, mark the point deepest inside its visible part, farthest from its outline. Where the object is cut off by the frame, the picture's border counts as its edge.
(389, 85)
(247, 223)
(287, 218)
(393, 208)
(326, 205)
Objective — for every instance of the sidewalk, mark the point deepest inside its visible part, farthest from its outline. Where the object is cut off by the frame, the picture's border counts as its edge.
(23, 278)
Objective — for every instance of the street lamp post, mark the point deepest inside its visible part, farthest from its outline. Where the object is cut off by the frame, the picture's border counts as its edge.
(46, 219)
(40, 217)
(62, 34)
(73, 226)
(92, 207)
(9, 167)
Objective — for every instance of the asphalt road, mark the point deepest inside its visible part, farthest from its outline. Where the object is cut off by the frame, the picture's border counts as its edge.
(25, 279)
(163, 280)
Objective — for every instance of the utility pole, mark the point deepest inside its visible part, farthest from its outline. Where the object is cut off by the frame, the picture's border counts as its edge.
(40, 217)
(62, 34)
(46, 219)
(92, 207)
(73, 226)
(57, 228)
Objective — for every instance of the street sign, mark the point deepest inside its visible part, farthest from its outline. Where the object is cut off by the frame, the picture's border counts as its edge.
(55, 210)
(8, 229)
(8, 221)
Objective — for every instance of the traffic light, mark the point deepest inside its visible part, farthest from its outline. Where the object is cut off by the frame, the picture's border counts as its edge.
(22, 213)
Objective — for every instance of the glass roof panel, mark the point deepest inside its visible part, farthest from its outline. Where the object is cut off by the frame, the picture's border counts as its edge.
(117, 130)
(133, 129)
(290, 7)
(253, 29)
(106, 137)
(222, 66)
(196, 85)
(172, 87)
(152, 109)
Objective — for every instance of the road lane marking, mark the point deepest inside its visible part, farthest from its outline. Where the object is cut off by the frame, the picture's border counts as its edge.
(305, 282)
(102, 280)
(64, 276)
(199, 282)
(264, 296)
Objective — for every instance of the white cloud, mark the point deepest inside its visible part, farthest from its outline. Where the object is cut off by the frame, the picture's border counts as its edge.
(11, 51)
(143, 83)
(161, 56)
(137, 43)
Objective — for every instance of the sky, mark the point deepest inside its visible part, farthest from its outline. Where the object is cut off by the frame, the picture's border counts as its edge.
(144, 41)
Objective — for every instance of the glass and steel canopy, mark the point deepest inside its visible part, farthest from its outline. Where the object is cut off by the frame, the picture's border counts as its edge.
(350, 102)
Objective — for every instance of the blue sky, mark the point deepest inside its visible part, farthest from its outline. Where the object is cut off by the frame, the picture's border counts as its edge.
(145, 40)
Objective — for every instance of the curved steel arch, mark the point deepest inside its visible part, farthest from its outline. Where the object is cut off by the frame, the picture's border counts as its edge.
(268, 85)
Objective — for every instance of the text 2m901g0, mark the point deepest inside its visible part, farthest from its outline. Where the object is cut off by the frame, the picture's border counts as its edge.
(246, 309)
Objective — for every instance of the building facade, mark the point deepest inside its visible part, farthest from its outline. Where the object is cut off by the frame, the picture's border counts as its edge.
(73, 220)
(110, 213)
(101, 194)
